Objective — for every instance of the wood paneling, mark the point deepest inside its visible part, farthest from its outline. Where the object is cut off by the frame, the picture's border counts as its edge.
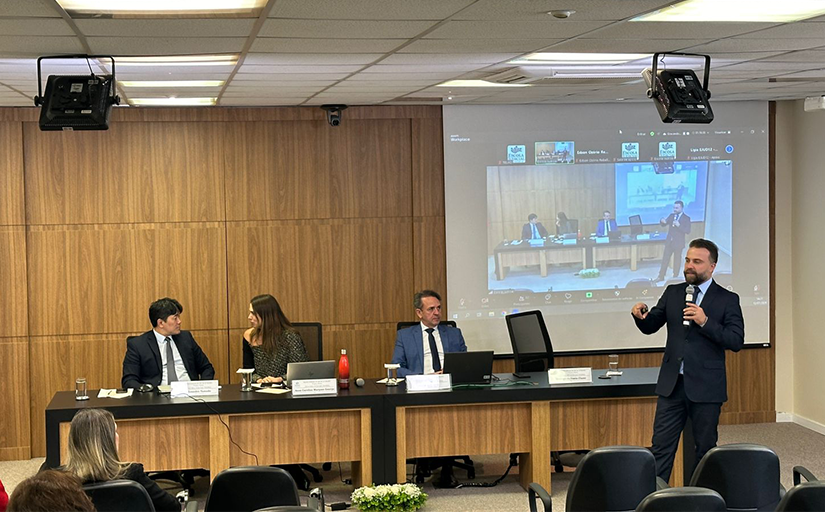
(309, 170)
(335, 272)
(15, 382)
(58, 360)
(134, 172)
(13, 276)
(12, 206)
(593, 423)
(430, 253)
(102, 278)
(427, 168)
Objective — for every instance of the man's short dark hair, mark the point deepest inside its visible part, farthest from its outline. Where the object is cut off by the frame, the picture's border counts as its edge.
(680, 203)
(701, 243)
(417, 300)
(529, 218)
(607, 212)
(162, 309)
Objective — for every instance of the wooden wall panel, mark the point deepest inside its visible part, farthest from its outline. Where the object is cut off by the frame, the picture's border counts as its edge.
(427, 167)
(333, 272)
(102, 278)
(12, 205)
(58, 360)
(430, 264)
(15, 382)
(134, 172)
(13, 276)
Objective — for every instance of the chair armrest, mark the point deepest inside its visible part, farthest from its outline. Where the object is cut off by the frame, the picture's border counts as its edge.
(661, 484)
(802, 471)
(191, 506)
(537, 491)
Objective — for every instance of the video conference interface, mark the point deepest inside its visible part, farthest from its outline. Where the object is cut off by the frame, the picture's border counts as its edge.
(567, 209)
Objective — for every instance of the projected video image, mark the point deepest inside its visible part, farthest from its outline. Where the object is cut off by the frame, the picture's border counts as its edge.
(602, 226)
(555, 153)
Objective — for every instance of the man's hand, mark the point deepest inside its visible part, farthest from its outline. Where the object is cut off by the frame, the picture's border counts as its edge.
(695, 313)
(662, 222)
(640, 311)
(676, 223)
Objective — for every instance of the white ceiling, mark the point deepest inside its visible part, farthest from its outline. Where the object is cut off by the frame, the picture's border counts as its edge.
(310, 52)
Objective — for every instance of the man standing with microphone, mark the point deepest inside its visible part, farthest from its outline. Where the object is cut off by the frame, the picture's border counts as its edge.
(701, 323)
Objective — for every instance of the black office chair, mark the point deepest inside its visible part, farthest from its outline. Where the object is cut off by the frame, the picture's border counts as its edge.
(683, 499)
(803, 497)
(425, 466)
(746, 475)
(119, 496)
(250, 488)
(640, 282)
(537, 492)
(612, 478)
(635, 222)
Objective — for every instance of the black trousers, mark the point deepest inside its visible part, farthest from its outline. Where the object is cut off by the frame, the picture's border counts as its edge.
(671, 414)
(671, 252)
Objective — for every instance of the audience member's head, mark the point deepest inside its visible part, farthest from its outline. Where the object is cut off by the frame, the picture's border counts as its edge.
(428, 307)
(93, 444)
(532, 218)
(50, 491)
(165, 316)
(268, 321)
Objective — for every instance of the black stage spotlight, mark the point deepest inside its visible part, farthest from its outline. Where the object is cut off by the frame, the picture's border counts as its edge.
(76, 102)
(677, 93)
(333, 113)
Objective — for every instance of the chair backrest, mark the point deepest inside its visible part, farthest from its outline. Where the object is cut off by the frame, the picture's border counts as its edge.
(312, 334)
(805, 496)
(731, 470)
(635, 222)
(245, 489)
(612, 478)
(683, 499)
(404, 325)
(572, 225)
(531, 344)
(119, 496)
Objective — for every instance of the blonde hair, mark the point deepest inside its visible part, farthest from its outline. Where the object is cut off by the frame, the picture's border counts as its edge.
(92, 447)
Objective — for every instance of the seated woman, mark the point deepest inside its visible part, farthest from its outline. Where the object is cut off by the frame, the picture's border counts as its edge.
(271, 343)
(93, 446)
(48, 491)
(562, 224)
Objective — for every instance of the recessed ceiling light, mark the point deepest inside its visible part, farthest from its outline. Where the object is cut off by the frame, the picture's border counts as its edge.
(562, 14)
(784, 11)
(172, 83)
(173, 102)
(161, 7)
(477, 83)
(178, 60)
(579, 58)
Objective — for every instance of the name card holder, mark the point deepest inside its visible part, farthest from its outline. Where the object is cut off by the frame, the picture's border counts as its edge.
(194, 388)
(571, 241)
(314, 387)
(432, 382)
(570, 376)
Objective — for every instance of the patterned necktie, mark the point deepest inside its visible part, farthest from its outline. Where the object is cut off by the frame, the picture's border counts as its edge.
(170, 362)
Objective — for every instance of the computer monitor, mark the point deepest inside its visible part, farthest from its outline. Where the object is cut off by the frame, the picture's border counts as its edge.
(635, 224)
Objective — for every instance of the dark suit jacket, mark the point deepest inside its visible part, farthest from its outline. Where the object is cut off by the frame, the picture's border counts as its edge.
(409, 347)
(676, 235)
(614, 228)
(527, 231)
(701, 348)
(142, 363)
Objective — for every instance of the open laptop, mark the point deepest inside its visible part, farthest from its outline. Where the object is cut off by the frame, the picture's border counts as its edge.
(469, 367)
(310, 370)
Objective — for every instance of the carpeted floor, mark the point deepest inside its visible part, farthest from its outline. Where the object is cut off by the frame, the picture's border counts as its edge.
(795, 445)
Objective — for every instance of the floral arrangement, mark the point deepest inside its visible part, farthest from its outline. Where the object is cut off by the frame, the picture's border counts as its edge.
(389, 498)
(589, 273)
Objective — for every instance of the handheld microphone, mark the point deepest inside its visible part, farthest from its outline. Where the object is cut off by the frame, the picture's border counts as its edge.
(689, 299)
(359, 382)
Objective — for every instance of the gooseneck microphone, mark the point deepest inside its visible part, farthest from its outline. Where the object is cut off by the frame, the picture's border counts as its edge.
(689, 299)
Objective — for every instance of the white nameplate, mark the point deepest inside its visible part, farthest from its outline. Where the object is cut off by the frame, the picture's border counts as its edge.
(536, 242)
(310, 387)
(432, 382)
(646, 236)
(571, 241)
(602, 239)
(570, 375)
(194, 388)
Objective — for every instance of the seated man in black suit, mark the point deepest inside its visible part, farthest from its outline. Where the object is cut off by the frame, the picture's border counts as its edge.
(533, 228)
(166, 353)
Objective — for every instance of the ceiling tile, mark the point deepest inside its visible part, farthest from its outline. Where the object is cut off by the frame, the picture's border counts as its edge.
(759, 45)
(592, 10)
(545, 29)
(675, 30)
(585, 45)
(235, 27)
(343, 29)
(423, 68)
(35, 27)
(35, 46)
(426, 58)
(519, 46)
(367, 10)
(279, 45)
(800, 29)
(35, 8)
(164, 45)
(308, 59)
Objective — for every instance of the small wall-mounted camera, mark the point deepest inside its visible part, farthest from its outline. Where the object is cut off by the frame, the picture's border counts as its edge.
(333, 113)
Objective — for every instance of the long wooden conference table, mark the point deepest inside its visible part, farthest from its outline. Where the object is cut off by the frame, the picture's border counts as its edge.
(375, 427)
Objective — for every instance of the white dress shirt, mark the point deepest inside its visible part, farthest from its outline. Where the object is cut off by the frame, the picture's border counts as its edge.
(428, 355)
(702, 289)
(180, 370)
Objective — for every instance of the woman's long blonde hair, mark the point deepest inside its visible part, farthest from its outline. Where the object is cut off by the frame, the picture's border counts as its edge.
(92, 447)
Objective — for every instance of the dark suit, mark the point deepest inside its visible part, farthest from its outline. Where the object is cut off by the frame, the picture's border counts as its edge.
(527, 231)
(674, 243)
(409, 347)
(614, 228)
(142, 363)
(700, 392)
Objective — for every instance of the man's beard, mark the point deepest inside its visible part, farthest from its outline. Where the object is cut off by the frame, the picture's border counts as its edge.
(695, 278)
